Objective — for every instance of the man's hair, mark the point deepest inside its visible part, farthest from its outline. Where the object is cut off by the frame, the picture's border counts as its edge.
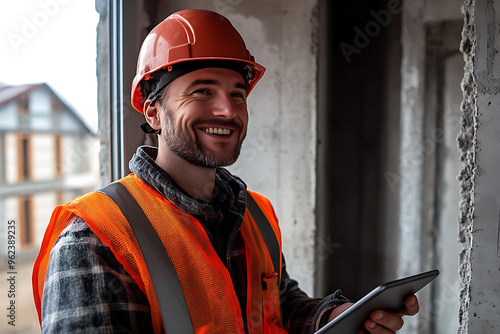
(163, 99)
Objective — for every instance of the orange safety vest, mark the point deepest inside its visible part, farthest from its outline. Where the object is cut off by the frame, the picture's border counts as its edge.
(206, 284)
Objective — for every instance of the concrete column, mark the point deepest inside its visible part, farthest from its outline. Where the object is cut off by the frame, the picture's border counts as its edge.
(409, 259)
(297, 145)
(103, 109)
(479, 142)
(412, 136)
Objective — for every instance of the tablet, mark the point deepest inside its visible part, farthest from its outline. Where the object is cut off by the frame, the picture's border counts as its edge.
(389, 296)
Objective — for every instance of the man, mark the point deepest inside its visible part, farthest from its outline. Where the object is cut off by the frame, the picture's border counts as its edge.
(193, 77)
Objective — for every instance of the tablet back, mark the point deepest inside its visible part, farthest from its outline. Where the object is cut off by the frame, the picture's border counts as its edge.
(389, 296)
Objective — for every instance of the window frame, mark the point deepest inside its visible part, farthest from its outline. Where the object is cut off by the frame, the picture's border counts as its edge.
(116, 118)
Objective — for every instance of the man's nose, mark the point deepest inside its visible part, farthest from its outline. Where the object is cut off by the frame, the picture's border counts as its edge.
(225, 107)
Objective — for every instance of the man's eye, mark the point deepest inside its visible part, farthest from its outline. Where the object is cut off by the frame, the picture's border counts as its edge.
(203, 91)
(239, 95)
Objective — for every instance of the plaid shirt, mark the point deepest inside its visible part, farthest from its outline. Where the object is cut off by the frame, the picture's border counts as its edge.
(88, 291)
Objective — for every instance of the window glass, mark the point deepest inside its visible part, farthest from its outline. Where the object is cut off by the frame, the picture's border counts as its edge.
(49, 148)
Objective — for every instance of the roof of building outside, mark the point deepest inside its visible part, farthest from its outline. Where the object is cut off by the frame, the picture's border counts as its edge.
(9, 93)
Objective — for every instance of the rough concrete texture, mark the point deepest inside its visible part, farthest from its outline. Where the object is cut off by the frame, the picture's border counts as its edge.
(479, 144)
(466, 144)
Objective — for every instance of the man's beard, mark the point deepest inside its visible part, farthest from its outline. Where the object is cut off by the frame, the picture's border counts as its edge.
(192, 149)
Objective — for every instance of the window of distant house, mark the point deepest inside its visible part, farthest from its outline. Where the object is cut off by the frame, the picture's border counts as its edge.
(25, 159)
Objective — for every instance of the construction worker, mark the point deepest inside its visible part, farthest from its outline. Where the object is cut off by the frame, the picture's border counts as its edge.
(194, 74)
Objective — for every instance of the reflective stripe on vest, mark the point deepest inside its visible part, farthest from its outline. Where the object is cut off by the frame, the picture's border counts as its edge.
(267, 233)
(168, 289)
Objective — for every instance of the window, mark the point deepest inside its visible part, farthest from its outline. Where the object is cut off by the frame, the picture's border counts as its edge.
(26, 218)
(49, 148)
(24, 159)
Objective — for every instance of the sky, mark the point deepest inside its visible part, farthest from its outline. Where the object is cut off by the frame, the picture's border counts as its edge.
(52, 41)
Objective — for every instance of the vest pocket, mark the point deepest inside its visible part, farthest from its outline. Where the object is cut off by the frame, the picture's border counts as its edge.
(271, 304)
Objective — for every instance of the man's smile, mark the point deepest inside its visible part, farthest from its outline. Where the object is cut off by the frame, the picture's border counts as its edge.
(218, 131)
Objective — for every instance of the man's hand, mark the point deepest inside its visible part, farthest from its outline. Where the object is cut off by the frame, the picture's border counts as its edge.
(383, 322)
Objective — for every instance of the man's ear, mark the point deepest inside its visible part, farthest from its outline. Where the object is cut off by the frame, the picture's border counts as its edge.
(152, 114)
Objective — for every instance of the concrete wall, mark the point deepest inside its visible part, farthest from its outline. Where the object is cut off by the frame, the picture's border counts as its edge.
(480, 184)
(279, 156)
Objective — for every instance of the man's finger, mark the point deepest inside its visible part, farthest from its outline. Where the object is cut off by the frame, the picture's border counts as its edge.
(387, 320)
(411, 306)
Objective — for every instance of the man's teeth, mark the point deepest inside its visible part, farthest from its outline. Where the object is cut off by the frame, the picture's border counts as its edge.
(217, 131)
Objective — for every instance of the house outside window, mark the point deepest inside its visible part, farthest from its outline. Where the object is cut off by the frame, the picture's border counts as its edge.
(49, 143)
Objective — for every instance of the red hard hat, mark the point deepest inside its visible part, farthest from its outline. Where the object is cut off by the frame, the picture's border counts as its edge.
(186, 36)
